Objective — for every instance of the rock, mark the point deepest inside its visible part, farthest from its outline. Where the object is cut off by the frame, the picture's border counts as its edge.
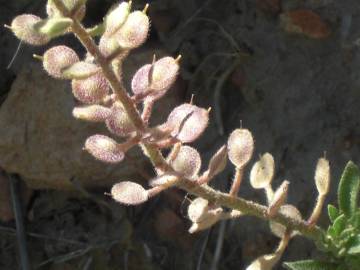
(42, 142)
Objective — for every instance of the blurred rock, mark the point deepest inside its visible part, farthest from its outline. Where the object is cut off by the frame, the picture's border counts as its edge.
(42, 142)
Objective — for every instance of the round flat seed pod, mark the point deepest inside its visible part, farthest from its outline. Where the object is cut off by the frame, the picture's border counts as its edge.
(240, 147)
(262, 172)
(288, 210)
(104, 149)
(188, 122)
(23, 28)
(118, 122)
(187, 162)
(129, 193)
(58, 58)
(197, 209)
(91, 90)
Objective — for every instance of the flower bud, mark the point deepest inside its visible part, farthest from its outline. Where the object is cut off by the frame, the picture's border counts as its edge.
(129, 193)
(119, 122)
(278, 199)
(75, 7)
(134, 31)
(187, 162)
(155, 78)
(80, 70)
(104, 148)
(322, 176)
(218, 162)
(116, 18)
(187, 122)
(91, 90)
(23, 28)
(92, 113)
(53, 27)
(289, 210)
(240, 147)
(262, 172)
(58, 58)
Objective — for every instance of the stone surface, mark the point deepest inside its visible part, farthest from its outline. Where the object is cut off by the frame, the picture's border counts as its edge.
(41, 141)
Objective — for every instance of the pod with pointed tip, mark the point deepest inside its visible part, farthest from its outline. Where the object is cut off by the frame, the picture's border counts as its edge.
(240, 147)
(58, 58)
(23, 28)
(279, 199)
(322, 176)
(218, 162)
(119, 122)
(262, 172)
(187, 162)
(129, 193)
(116, 18)
(104, 149)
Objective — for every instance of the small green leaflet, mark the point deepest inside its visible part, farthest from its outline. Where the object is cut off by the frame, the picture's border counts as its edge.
(310, 265)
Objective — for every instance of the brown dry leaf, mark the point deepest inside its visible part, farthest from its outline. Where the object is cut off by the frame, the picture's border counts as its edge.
(306, 22)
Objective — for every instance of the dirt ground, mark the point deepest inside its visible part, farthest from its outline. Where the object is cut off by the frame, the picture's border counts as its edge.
(293, 79)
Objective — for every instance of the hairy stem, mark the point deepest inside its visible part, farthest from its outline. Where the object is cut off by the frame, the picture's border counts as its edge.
(156, 157)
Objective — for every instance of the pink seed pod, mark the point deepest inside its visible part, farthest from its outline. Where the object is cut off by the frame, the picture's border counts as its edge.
(75, 7)
(119, 122)
(92, 113)
(58, 58)
(23, 28)
(80, 70)
(134, 31)
(91, 90)
(240, 147)
(279, 199)
(116, 18)
(218, 162)
(187, 122)
(129, 193)
(290, 211)
(155, 78)
(187, 162)
(104, 149)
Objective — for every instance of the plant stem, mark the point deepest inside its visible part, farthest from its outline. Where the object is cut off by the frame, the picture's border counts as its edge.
(156, 157)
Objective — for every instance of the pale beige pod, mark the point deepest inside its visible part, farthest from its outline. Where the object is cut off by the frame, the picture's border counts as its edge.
(262, 172)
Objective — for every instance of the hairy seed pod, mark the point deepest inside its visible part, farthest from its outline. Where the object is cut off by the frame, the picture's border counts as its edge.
(198, 209)
(218, 162)
(91, 90)
(187, 162)
(116, 18)
(80, 70)
(288, 210)
(262, 172)
(58, 58)
(92, 113)
(23, 28)
(240, 147)
(279, 199)
(104, 148)
(187, 122)
(322, 176)
(75, 7)
(53, 27)
(119, 122)
(165, 180)
(129, 193)
(134, 31)
(155, 78)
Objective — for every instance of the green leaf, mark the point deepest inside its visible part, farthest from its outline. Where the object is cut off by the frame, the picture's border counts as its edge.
(354, 245)
(339, 225)
(333, 212)
(348, 190)
(310, 265)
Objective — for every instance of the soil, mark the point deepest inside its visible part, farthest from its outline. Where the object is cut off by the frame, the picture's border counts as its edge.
(295, 86)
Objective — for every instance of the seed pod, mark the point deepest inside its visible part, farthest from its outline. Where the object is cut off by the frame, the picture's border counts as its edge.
(278, 199)
(80, 70)
(240, 147)
(218, 162)
(23, 28)
(187, 162)
(53, 27)
(265, 262)
(210, 218)
(155, 78)
(262, 172)
(75, 7)
(116, 18)
(129, 193)
(289, 210)
(197, 209)
(322, 176)
(187, 122)
(119, 122)
(92, 113)
(104, 148)
(109, 46)
(57, 58)
(165, 180)
(134, 31)
(91, 90)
